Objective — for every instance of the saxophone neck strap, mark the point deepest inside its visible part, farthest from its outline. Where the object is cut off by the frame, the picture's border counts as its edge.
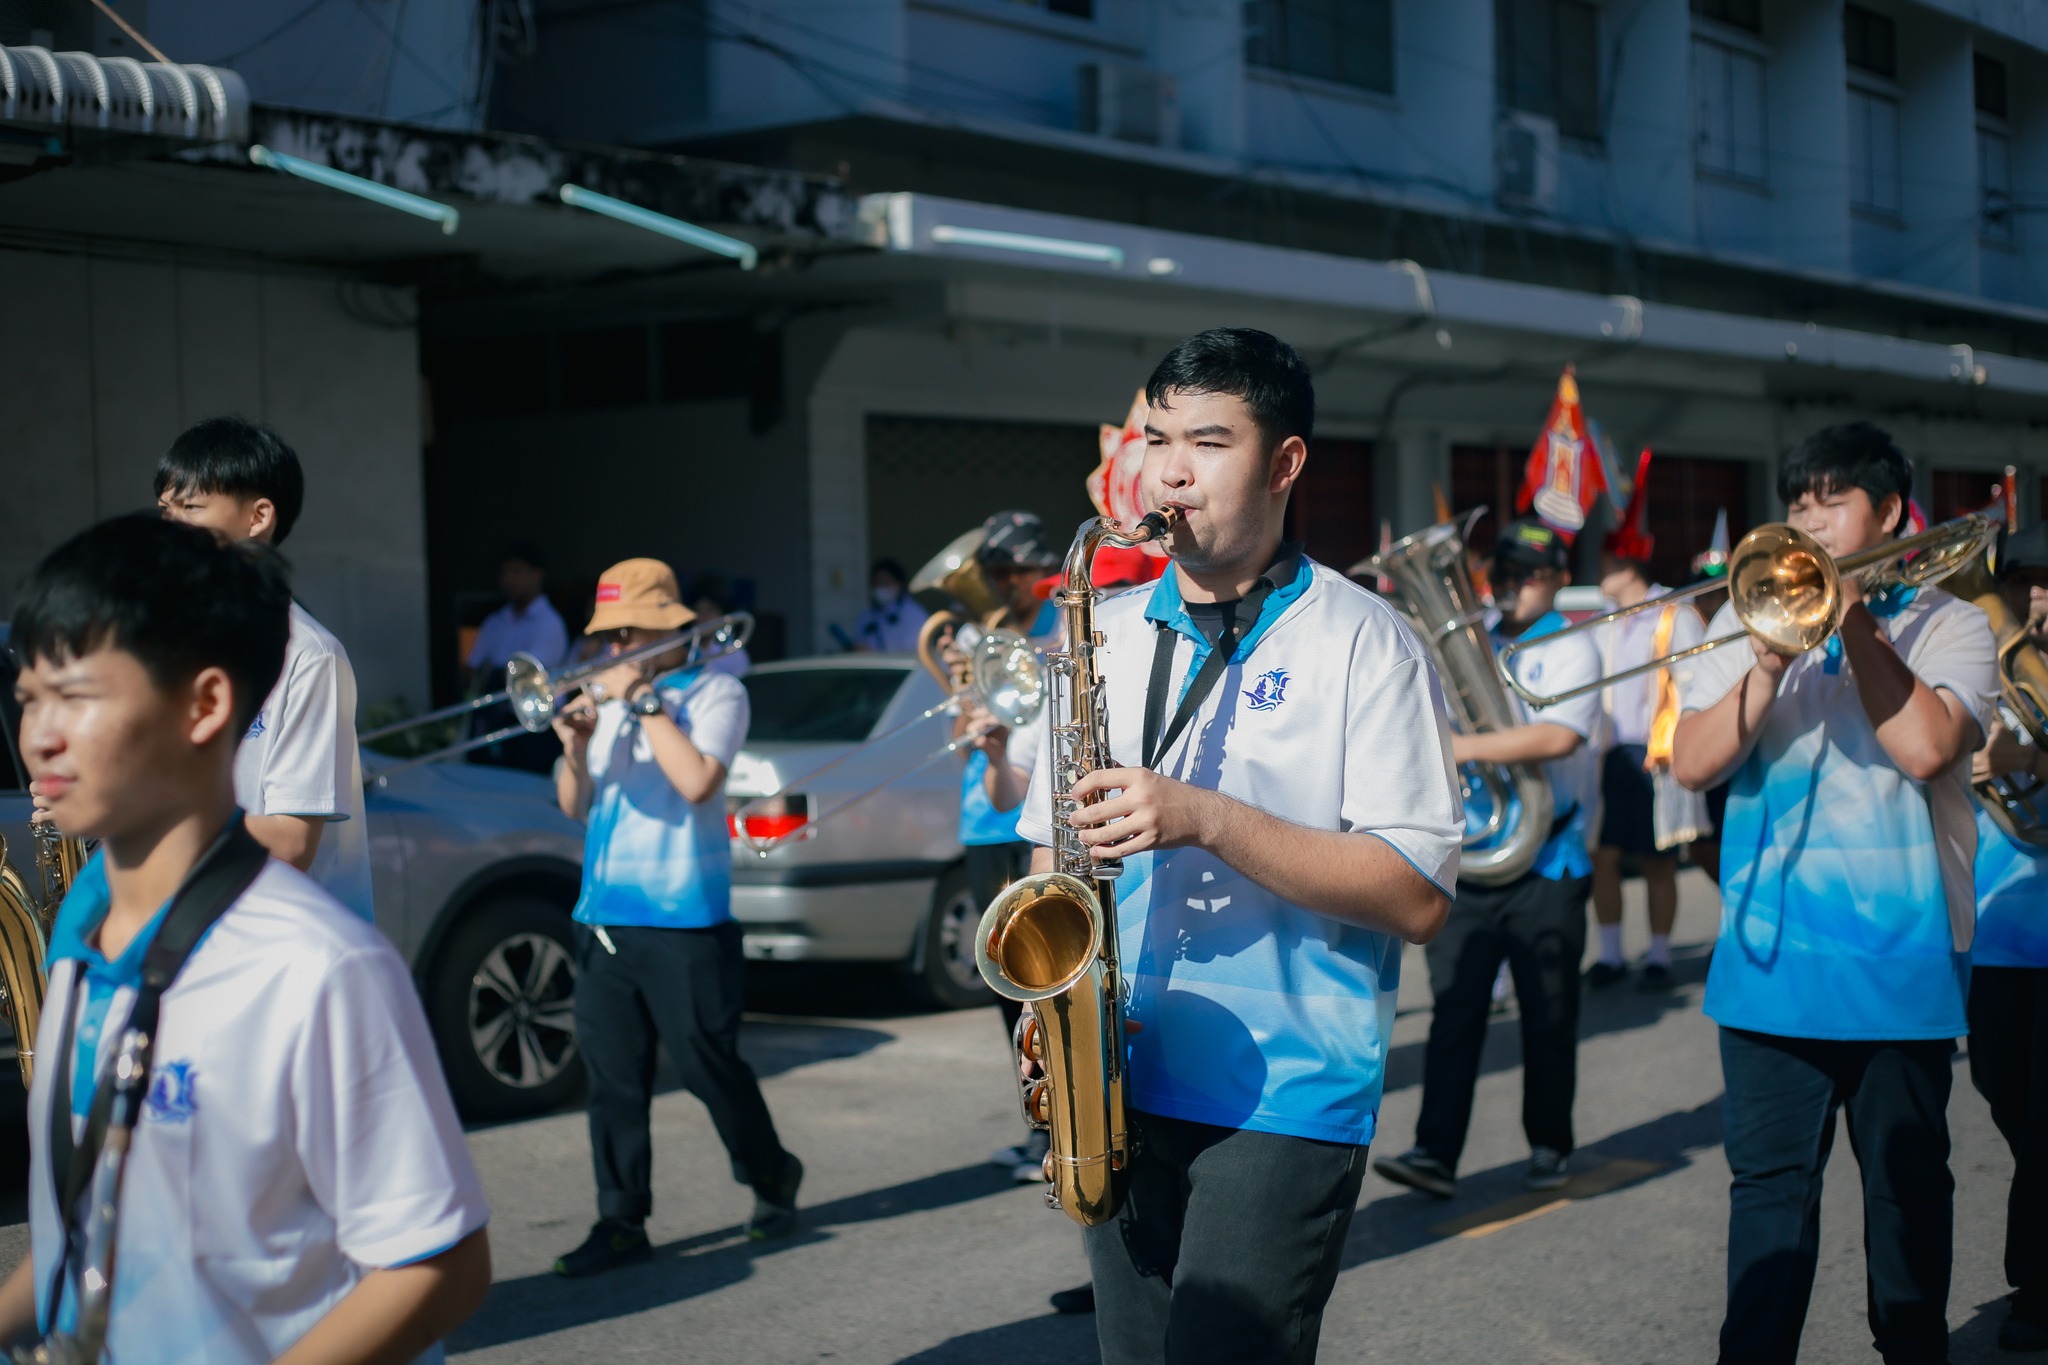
(1238, 617)
(216, 882)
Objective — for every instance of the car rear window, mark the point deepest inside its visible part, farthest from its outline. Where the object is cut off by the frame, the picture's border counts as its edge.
(823, 705)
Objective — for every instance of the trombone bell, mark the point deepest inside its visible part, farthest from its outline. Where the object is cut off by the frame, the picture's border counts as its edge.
(1784, 588)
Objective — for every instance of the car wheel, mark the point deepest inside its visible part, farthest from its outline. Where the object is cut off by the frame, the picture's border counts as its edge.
(947, 976)
(502, 1003)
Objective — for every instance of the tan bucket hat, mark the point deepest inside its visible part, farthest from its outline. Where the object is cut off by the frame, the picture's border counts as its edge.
(642, 593)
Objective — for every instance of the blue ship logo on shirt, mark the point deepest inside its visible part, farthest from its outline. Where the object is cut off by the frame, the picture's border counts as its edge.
(255, 727)
(1270, 692)
(170, 1093)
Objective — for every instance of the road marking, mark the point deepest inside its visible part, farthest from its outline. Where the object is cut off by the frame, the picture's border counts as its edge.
(1522, 1207)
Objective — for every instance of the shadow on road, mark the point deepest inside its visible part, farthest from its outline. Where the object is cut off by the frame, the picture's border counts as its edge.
(1618, 1009)
(1976, 1341)
(539, 1304)
(1399, 1223)
(1047, 1340)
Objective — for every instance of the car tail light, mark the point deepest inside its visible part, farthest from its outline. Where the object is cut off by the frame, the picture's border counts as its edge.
(775, 818)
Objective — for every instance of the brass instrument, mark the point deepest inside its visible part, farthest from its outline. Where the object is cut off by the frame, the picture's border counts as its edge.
(1786, 591)
(537, 692)
(2017, 802)
(955, 573)
(1433, 588)
(25, 920)
(1050, 938)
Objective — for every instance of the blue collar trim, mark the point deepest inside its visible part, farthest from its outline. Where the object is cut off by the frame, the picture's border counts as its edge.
(1290, 576)
(1547, 624)
(84, 910)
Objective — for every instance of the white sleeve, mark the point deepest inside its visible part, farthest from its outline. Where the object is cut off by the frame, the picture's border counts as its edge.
(306, 765)
(1399, 780)
(1955, 649)
(1551, 668)
(1034, 818)
(714, 715)
(1706, 678)
(375, 1130)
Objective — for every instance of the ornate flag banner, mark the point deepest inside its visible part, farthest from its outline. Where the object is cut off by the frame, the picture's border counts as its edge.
(1113, 488)
(1564, 474)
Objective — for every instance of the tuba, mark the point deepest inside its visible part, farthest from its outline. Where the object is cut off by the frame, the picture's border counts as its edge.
(25, 920)
(956, 574)
(1433, 588)
(2017, 802)
(1049, 939)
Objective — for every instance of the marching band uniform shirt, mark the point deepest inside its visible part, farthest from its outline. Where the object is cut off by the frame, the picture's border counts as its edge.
(1848, 901)
(1260, 1014)
(1627, 644)
(651, 857)
(1556, 666)
(2012, 900)
(297, 1133)
(300, 758)
(893, 629)
(538, 631)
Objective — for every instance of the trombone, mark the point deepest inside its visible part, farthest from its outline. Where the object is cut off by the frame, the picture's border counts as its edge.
(1786, 591)
(537, 693)
(1005, 676)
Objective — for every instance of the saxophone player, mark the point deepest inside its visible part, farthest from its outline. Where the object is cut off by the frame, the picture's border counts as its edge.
(1288, 815)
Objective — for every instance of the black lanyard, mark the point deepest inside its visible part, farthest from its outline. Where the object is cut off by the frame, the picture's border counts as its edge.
(216, 882)
(1245, 617)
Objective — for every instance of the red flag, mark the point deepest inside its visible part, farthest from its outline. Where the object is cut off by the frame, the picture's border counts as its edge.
(1113, 486)
(1564, 475)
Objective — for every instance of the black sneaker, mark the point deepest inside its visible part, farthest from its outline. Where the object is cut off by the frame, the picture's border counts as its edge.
(1080, 1299)
(1601, 975)
(1655, 980)
(1418, 1170)
(775, 1210)
(612, 1242)
(2026, 1327)
(1549, 1169)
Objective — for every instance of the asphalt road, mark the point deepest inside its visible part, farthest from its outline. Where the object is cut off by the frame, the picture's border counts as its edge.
(915, 1250)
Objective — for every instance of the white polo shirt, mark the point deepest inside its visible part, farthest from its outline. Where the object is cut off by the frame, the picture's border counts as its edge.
(1259, 1014)
(1551, 667)
(298, 1132)
(300, 758)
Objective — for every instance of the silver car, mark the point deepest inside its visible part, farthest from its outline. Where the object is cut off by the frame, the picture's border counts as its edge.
(475, 872)
(881, 879)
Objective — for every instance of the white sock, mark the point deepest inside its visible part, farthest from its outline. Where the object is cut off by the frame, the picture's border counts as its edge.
(1660, 949)
(1610, 944)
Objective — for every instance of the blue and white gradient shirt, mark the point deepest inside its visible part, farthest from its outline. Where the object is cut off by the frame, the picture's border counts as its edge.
(1558, 666)
(297, 1135)
(1848, 901)
(1259, 1014)
(650, 856)
(2012, 900)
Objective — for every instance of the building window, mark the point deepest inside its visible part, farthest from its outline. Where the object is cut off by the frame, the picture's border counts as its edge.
(1350, 42)
(1994, 150)
(1549, 62)
(1870, 41)
(1728, 92)
(1742, 14)
(1874, 152)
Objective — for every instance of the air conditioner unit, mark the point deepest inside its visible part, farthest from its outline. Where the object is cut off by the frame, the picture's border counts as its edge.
(1525, 161)
(1129, 103)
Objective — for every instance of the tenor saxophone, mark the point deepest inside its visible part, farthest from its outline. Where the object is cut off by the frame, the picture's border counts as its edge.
(1049, 939)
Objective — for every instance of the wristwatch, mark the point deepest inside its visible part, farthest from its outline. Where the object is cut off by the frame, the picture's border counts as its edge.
(647, 703)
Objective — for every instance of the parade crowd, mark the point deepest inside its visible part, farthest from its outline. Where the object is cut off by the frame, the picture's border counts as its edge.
(229, 1039)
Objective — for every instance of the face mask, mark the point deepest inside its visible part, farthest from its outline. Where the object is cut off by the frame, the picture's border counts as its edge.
(886, 598)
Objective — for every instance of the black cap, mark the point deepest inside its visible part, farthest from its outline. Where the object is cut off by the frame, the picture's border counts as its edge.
(1015, 538)
(2024, 549)
(1530, 544)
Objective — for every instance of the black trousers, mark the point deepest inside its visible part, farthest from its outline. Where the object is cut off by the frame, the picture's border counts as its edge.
(1226, 1248)
(1539, 927)
(684, 987)
(1783, 1094)
(2009, 1066)
(990, 868)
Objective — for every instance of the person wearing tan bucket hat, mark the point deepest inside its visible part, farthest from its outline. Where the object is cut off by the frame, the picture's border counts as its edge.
(645, 754)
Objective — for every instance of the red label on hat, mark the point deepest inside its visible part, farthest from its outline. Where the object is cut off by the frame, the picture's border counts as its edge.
(607, 592)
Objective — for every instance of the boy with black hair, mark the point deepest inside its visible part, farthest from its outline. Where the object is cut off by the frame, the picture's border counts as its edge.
(277, 1204)
(298, 774)
(1536, 923)
(1296, 820)
(1848, 906)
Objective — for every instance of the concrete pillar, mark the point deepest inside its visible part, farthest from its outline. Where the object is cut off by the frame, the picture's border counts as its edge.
(1403, 469)
(1808, 118)
(1650, 134)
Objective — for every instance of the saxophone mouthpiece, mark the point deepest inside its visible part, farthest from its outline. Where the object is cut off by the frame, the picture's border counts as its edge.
(1159, 522)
